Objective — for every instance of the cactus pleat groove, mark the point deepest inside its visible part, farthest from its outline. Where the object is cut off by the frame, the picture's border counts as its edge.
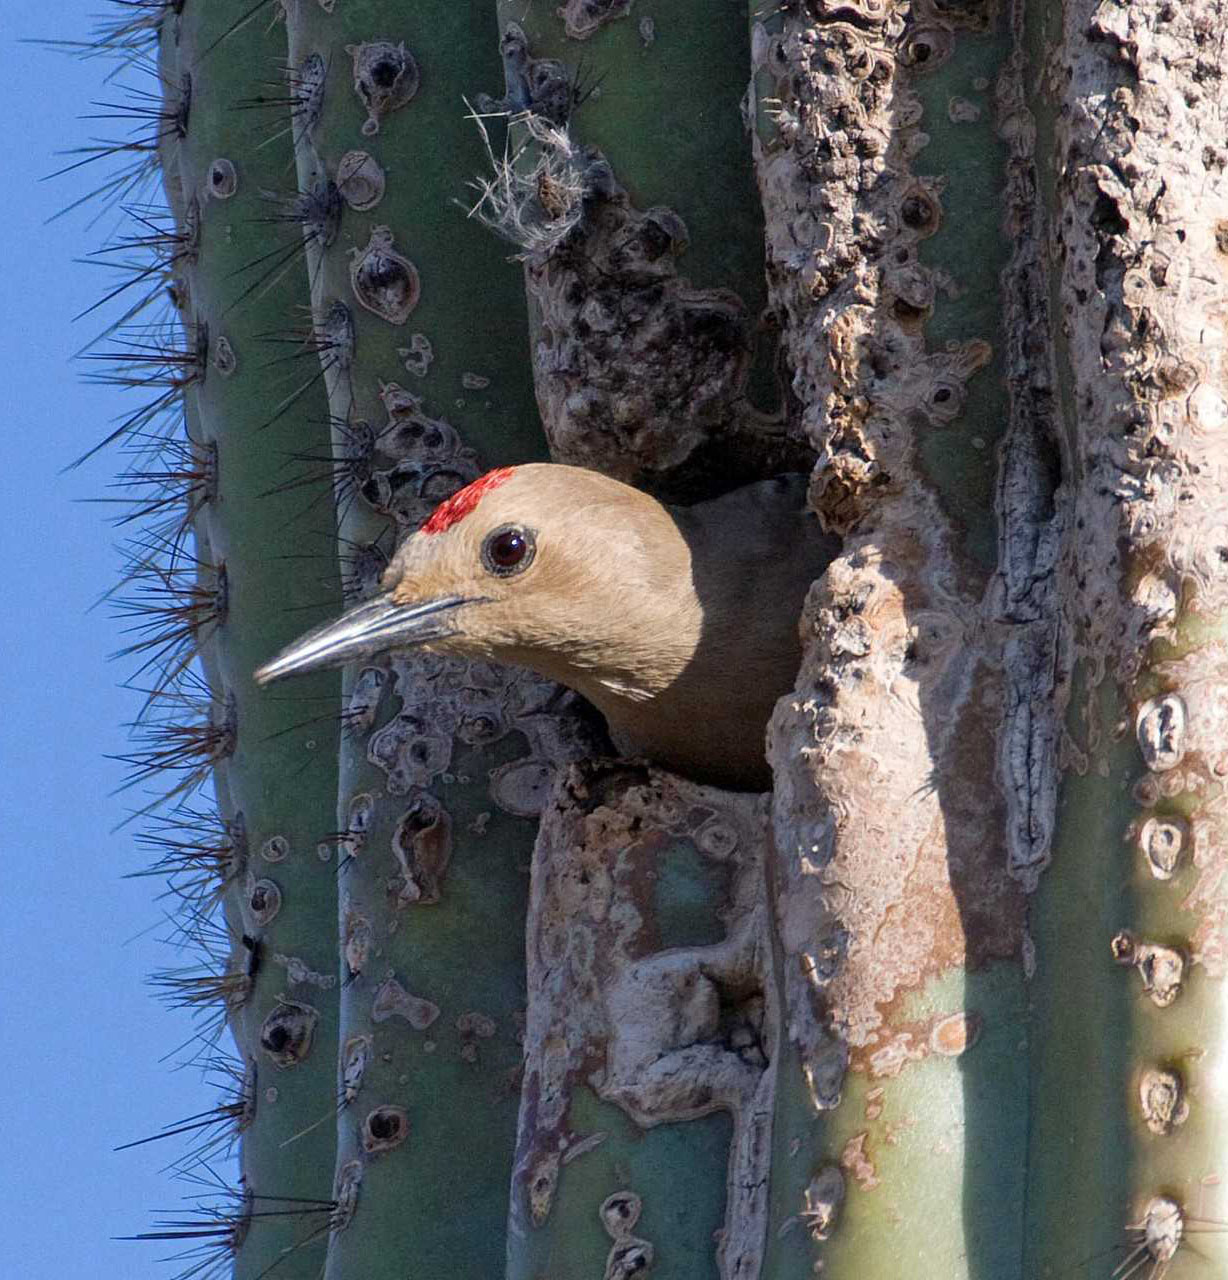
(948, 1001)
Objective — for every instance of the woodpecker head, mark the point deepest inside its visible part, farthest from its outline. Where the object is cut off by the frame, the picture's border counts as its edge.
(540, 565)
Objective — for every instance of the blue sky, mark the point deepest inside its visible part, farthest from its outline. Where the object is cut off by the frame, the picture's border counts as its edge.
(83, 1038)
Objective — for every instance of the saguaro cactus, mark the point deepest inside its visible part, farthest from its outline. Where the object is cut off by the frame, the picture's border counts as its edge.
(909, 1014)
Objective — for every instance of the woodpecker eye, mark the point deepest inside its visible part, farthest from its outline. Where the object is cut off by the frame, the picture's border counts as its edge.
(508, 550)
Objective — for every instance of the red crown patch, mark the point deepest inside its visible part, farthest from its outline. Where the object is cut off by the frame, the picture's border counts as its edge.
(461, 503)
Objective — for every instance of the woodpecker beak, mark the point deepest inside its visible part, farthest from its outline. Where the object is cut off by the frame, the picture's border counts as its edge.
(366, 630)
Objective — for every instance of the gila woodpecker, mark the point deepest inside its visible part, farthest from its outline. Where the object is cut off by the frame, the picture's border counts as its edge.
(678, 623)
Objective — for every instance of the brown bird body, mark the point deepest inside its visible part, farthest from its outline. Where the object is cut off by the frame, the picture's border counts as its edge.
(678, 623)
